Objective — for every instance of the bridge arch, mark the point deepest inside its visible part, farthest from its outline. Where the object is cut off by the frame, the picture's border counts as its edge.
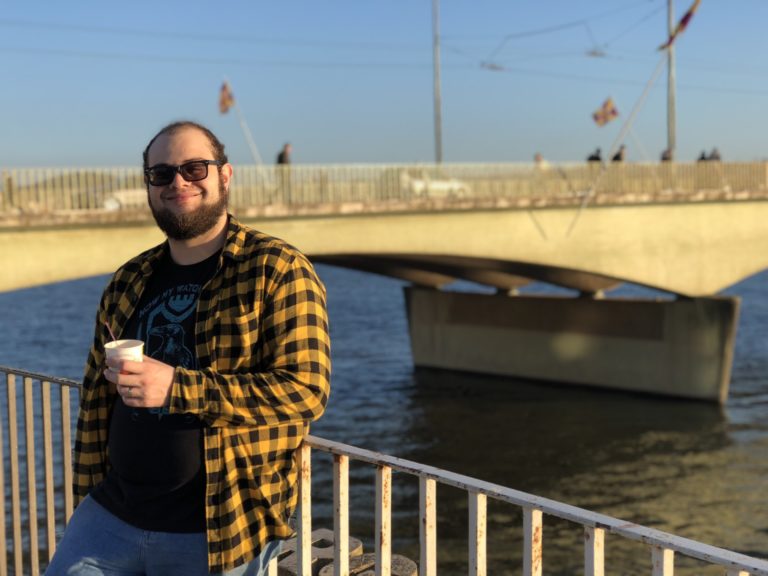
(438, 270)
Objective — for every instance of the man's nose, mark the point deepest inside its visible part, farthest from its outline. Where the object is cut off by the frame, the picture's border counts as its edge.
(178, 180)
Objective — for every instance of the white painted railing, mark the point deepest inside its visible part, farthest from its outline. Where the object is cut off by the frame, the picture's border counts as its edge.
(20, 459)
(35, 461)
(663, 546)
(51, 190)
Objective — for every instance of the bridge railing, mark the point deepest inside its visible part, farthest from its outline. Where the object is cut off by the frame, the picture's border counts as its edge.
(47, 190)
(35, 485)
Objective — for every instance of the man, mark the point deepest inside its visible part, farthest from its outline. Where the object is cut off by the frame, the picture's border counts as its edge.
(596, 156)
(284, 172)
(620, 155)
(284, 156)
(185, 462)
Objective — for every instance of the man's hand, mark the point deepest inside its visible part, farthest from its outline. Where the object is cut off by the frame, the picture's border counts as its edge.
(144, 384)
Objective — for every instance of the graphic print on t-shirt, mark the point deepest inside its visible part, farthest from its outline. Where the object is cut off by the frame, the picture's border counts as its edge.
(157, 476)
(166, 324)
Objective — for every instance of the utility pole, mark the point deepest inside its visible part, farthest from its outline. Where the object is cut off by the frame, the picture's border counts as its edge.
(436, 65)
(671, 141)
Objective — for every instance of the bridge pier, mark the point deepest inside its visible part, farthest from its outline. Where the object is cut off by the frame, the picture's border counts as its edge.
(681, 348)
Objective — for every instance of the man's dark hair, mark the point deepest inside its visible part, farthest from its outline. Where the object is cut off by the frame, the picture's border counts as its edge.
(216, 145)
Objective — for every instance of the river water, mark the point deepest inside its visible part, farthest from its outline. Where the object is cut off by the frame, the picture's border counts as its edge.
(689, 468)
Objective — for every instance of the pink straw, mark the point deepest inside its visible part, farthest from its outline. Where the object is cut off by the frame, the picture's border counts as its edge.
(110, 331)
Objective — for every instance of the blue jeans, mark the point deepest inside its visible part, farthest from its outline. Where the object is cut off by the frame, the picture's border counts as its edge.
(96, 543)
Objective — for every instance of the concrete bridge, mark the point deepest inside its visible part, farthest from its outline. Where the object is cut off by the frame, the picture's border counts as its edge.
(606, 227)
(690, 248)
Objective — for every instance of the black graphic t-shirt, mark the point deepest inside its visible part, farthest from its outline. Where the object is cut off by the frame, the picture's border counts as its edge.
(157, 476)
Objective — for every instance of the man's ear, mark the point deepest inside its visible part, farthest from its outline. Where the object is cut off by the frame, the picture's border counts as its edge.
(226, 174)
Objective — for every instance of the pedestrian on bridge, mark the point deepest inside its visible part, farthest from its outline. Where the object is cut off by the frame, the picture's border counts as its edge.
(185, 463)
(284, 171)
(284, 156)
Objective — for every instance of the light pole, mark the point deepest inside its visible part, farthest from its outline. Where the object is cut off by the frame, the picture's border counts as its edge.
(671, 143)
(436, 66)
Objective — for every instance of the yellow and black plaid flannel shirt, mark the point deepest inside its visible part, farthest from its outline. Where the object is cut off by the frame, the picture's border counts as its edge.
(263, 350)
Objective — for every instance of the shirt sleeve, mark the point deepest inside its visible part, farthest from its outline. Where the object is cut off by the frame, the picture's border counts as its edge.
(292, 383)
(89, 455)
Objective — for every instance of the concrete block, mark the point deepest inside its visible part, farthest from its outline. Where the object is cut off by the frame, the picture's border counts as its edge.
(365, 565)
(322, 552)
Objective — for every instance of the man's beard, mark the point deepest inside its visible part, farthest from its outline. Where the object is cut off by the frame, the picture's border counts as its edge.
(193, 224)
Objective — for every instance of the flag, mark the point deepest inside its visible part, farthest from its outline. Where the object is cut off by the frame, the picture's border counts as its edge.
(226, 98)
(681, 25)
(605, 113)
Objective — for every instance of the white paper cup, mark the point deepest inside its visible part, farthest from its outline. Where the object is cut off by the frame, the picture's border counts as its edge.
(125, 350)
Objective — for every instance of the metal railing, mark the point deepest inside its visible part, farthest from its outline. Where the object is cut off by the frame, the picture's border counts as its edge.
(31, 411)
(29, 444)
(49, 190)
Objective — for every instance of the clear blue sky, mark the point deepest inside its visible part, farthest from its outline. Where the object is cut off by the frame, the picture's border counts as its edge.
(86, 82)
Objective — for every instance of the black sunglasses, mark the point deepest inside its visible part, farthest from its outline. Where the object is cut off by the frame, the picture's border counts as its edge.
(192, 171)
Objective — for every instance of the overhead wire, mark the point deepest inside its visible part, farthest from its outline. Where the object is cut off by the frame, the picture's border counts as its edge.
(154, 58)
(471, 61)
(583, 23)
(208, 60)
(217, 38)
(549, 30)
(633, 26)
